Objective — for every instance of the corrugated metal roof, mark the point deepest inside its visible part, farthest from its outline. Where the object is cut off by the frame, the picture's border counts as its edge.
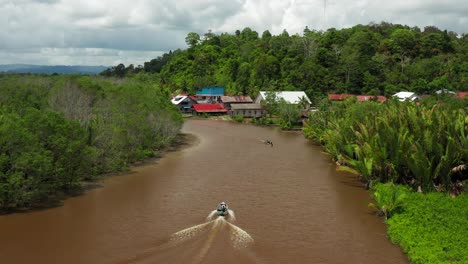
(209, 108)
(339, 97)
(211, 91)
(381, 98)
(292, 97)
(246, 107)
(402, 96)
(178, 99)
(462, 95)
(236, 99)
(362, 98)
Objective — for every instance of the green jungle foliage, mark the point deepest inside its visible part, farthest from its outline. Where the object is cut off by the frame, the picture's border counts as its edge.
(419, 145)
(430, 228)
(57, 131)
(389, 198)
(435, 235)
(365, 59)
(239, 118)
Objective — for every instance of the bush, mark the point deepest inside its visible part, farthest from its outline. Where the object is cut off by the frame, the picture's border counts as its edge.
(239, 118)
(432, 228)
(263, 121)
(57, 131)
(397, 141)
(390, 198)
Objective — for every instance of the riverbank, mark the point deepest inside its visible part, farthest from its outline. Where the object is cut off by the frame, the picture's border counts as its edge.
(59, 131)
(420, 148)
(180, 142)
(430, 228)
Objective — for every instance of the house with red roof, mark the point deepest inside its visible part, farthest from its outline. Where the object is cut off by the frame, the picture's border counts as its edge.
(213, 109)
(462, 95)
(360, 98)
(363, 98)
(339, 97)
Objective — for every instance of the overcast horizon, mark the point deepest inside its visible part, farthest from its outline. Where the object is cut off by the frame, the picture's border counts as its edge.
(89, 32)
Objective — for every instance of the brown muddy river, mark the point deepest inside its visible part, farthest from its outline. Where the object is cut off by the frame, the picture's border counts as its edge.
(290, 204)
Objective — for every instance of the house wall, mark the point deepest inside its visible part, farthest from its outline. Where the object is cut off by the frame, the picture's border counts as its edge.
(207, 113)
(249, 113)
(186, 105)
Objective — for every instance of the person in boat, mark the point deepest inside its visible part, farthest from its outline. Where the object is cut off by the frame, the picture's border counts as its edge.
(222, 209)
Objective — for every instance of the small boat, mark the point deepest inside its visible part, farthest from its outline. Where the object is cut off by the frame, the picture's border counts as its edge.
(222, 209)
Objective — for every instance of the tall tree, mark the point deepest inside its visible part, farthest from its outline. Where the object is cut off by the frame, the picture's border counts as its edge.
(192, 39)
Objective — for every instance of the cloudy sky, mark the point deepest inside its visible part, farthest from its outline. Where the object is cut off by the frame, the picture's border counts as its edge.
(105, 32)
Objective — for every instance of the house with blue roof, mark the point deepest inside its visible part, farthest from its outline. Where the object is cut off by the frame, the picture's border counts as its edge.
(209, 95)
(211, 91)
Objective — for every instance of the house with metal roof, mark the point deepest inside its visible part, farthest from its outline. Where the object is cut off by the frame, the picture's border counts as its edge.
(291, 97)
(378, 98)
(209, 95)
(228, 100)
(184, 102)
(247, 110)
(211, 91)
(360, 98)
(406, 96)
(339, 97)
(462, 95)
(215, 109)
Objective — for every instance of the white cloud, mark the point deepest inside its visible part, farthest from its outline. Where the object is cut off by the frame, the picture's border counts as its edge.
(53, 31)
(78, 56)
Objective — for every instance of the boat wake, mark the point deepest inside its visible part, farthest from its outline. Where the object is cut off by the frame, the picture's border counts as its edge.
(237, 236)
(209, 242)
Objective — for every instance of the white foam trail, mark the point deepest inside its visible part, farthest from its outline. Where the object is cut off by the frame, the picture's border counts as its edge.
(232, 216)
(188, 233)
(211, 215)
(239, 237)
(207, 245)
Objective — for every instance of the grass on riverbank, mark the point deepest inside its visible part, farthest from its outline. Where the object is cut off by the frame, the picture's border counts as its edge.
(430, 228)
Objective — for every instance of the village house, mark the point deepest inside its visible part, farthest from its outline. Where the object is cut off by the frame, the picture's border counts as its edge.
(407, 96)
(339, 97)
(446, 92)
(209, 94)
(360, 98)
(462, 95)
(247, 110)
(228, 100)
(378, 98)
(184, 102)
(211, 109)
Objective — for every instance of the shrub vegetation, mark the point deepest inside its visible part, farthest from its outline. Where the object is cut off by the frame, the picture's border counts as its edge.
(56, 131)
(403, 142)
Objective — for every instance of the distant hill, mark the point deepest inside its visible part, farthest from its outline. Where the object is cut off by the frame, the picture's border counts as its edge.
(60, 69)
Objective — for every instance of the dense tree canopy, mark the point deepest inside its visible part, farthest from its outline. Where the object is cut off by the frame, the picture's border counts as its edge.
(57, 131)
(377, 59)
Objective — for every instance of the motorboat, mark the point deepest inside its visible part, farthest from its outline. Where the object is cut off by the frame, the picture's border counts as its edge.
(222, 209)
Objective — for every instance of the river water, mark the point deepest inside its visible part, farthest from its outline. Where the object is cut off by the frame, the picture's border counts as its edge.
(290, 205)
